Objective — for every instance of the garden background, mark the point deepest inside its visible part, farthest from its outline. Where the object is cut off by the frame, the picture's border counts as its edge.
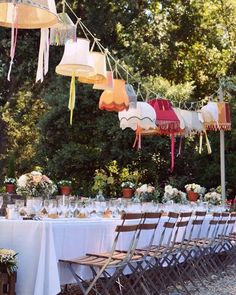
(183, 50)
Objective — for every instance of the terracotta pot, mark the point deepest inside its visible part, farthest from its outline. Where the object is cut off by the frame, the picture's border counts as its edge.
(65, 190)
(10, 187)
(192, 196)
(127, 192)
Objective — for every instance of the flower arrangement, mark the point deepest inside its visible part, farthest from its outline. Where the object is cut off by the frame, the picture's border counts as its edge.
(213, 197)
(35, 184)
(173, 194)
(147, 192)
(64, 182)
(128, 184)
(8, 260)
(195, 188)
(10, 180)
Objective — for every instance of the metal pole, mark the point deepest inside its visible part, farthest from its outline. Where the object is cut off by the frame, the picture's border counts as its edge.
(222, 152)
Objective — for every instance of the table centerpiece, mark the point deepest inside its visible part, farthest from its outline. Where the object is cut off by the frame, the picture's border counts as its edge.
(35, 187)
(194, 191)
(173, 194)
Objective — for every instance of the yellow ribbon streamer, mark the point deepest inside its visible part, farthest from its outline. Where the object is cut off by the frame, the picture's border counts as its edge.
(208, 144)
(71, 105)
(200, 144)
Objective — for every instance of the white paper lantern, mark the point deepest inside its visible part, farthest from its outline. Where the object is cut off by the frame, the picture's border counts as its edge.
(76, 59)
(143, 116)
(100, 72)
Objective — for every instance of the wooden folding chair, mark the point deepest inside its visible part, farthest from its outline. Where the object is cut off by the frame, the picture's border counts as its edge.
(106, 269)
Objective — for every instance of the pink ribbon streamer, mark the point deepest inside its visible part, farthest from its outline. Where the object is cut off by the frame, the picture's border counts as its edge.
(138, 138)
(172, 152)
(14, 31)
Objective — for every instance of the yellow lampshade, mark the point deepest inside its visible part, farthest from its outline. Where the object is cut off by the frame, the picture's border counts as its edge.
(28, 14)
(76, 59)
(107, 84)
(99, 74)
(116, 99)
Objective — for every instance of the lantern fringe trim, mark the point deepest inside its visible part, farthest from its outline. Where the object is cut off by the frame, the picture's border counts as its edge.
(113, 107)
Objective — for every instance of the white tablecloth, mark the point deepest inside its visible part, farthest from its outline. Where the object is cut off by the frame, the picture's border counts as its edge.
(41, 244)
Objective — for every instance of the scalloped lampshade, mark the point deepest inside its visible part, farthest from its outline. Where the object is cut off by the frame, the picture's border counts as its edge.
(115, 100)
(76, 59)
(28, 14)
(100, 72)
(143, 116)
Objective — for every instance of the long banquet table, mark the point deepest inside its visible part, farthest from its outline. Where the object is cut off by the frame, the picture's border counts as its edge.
(40, 244)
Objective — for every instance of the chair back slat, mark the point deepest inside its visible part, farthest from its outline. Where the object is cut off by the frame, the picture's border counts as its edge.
(127, 216)
(181, 223)
(126, 228)
(173, 215)
(169, 225)
(185, 214)
(222, 221)
(200, 213)
(197, 222)
(154, 215)
(216, 214)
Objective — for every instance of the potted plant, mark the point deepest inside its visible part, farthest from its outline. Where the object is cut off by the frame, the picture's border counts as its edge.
(10, 184)
(194, 191)
(65, 187)
(127, 189)
(8, 268)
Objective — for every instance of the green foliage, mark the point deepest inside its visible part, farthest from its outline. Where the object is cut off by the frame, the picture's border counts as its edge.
(179, 49)
(11, 168)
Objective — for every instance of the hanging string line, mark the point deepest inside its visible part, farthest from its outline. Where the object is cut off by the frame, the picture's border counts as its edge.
(116, 62)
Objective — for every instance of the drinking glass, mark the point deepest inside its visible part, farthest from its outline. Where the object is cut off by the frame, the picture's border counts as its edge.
(72, 208)
(63, 204)
(1, 201)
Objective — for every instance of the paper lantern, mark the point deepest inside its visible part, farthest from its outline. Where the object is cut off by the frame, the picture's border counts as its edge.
(132, 96)
(27, 14)
(107, 84)
(100, 73)
(216, 116)
(192, 122)
(167, 120)
(142, 116)
(115, 100)
(63, 31)
(76, 59)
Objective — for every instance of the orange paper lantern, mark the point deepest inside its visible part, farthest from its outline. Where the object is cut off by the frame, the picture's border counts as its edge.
(115, 100)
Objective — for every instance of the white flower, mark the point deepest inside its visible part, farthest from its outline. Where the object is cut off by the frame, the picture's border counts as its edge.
(143, 188)
(213, 198)
(169, 189)
(22, 181)
(150, 189)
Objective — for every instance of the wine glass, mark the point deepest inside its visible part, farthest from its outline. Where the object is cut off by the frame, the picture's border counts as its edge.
(1, 201)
